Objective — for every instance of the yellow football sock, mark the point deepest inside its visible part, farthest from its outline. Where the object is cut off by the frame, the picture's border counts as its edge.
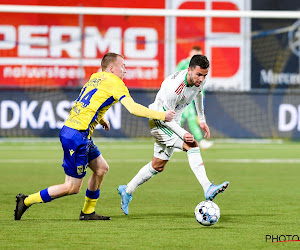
(32, 199)
(89, 205)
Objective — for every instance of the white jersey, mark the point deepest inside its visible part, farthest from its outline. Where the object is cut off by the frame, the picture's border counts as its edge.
(175, 94)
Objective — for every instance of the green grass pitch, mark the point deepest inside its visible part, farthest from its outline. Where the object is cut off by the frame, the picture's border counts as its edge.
(263, 198)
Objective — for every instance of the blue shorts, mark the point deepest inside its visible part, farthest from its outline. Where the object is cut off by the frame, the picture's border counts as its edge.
(78, 151)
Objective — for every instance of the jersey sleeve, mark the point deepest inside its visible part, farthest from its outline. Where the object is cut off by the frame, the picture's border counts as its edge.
(199, 106)
(180, 131)
(139, 110)
(119, 90)
(168, 99)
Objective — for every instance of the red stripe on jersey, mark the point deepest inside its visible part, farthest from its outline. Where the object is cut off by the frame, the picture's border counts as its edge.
(180, 88)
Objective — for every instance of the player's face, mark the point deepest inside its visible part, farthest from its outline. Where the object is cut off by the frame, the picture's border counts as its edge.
(196, 76)
(118, 68)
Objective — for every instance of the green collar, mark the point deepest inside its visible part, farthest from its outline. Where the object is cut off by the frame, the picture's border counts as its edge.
(185, 80)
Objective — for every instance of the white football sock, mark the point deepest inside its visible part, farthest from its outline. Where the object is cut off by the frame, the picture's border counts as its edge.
(142, 176)
(197, 166)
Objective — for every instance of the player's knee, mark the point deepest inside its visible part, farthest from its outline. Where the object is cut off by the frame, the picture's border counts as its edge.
(195, 144)
(72, 189)
(75, 191)
(159, 167)
(101, 171)
(158, 164)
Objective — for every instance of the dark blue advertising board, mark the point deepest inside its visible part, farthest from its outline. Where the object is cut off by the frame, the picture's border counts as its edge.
(229, 114)
(275, 48)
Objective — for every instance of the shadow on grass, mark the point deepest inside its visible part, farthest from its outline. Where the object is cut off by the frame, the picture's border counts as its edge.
(242, 219)
(178, 215)
(133, 216)
(237, 218)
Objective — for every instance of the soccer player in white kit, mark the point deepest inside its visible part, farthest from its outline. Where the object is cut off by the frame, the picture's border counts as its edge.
(176, 92)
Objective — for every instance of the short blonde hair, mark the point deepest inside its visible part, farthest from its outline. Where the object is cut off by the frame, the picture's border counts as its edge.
(109, 58)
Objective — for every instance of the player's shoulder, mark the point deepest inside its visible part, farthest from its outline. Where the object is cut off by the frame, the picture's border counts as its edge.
(177, 77)
(174, 81)
(106, 76)
(108, 80)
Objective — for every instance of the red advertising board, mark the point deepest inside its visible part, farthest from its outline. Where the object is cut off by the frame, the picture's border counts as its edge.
(60, 49)
(193, 31)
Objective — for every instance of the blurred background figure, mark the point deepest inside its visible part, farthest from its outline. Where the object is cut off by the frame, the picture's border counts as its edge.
(190, 114)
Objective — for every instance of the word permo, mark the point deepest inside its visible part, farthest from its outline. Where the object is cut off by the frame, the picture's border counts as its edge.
(43, 41)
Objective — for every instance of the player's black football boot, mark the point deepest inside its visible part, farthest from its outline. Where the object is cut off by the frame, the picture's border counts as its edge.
(92, 216)
(20, 207)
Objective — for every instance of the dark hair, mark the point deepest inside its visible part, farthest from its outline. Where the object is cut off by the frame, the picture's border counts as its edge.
(196, 47)
(199, 60)
(109, 58)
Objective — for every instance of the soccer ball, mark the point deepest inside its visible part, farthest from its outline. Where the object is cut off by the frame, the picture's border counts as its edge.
(207, 213)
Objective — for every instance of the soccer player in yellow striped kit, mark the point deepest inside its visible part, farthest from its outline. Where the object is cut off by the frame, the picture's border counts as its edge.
(103, 90)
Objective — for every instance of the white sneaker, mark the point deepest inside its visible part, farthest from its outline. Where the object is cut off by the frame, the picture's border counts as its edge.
(204, 144)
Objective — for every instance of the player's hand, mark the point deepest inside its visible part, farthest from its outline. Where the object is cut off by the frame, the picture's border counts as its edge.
(188, 137)
(169, 115)
(105, 125)
(205, 129)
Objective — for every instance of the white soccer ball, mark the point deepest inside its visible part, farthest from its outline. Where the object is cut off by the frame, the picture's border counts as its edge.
(207, 213)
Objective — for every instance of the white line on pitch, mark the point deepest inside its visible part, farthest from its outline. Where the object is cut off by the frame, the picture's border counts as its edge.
(285, 161)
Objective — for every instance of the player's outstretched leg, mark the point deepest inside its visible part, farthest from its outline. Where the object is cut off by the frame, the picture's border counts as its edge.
(125, 198)
(214, 190)
(20, 207)
(92, 216)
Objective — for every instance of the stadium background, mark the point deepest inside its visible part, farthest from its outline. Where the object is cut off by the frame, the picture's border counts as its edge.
(252, 90)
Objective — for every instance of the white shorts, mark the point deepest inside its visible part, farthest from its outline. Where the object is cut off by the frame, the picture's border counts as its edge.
(166, 140)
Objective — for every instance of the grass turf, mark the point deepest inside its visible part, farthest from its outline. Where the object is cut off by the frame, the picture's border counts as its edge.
(263, 198)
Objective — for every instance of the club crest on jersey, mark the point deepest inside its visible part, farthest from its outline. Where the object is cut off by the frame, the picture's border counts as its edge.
(71, 151)
(81, 169)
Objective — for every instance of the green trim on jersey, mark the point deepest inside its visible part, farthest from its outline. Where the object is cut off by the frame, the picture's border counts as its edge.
(185, 81)
(163, 128)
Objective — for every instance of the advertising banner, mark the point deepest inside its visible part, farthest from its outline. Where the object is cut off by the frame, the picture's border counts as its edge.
(253, 115)
(60, 50)
(228, 114)
(223, 40)
(43, 113)
(63, 50)
(46, 58)
(275, 52)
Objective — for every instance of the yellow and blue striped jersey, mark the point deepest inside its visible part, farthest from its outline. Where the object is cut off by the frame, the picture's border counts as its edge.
(101, 92)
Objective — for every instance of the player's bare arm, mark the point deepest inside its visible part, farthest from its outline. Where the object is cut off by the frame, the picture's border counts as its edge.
(205, 129)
